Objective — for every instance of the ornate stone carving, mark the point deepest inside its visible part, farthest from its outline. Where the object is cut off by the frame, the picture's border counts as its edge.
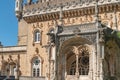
(111, 21)
(90, 37)
(101, 36)
(75, 50)
(43, 15)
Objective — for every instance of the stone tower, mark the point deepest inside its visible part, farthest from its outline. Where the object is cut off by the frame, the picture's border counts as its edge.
(18, 8)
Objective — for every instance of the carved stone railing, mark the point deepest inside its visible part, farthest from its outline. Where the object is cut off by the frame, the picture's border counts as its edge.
(13, 49)
(31, 78)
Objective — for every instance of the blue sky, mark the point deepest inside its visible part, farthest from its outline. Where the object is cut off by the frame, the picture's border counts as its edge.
(8, 23)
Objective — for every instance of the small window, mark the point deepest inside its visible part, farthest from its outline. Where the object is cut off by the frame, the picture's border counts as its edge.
(37, 36)
(36, 67)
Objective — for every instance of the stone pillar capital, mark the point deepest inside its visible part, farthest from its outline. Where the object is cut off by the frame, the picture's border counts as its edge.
(75, 50)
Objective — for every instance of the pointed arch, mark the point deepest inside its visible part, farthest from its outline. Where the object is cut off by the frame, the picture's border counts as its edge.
(36, 66)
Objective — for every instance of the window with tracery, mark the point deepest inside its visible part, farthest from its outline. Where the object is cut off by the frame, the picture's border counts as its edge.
(36, 67)
(73, 68)
(83, 64)
(37, 36)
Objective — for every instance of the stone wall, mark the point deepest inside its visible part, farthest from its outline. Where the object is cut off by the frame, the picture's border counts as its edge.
(31, 78)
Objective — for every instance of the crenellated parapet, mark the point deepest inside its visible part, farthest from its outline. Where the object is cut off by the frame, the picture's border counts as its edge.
(44, 11)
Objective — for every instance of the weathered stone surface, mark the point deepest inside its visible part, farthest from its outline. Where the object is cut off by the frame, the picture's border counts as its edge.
(74, 25)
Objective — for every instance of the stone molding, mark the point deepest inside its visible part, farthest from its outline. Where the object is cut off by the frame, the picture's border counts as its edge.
(13, 49)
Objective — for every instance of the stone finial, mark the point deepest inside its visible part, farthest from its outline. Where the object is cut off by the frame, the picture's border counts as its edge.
(18, 8)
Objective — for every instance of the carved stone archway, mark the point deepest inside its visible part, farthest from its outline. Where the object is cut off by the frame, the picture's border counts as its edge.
(74, 51)
(112, 59)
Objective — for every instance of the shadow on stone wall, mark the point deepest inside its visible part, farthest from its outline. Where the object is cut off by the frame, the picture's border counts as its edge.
(110, 78)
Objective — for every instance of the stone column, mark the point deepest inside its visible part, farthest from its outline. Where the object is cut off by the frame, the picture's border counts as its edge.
(101, 69)
(65, 66)
(16, 72)
(52, 70)
(53, 62)
(94, 65)
(49, 63)
(101, 60)
(77, 69)
(8, 70)
(91, 65)
(17, 68)
(75, 50)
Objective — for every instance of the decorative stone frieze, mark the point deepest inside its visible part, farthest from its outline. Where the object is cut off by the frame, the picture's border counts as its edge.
(36, 14)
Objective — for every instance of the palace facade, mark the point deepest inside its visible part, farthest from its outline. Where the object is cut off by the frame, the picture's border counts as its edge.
(64, 40)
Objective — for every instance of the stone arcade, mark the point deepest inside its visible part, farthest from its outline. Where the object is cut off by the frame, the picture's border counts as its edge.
(64, 40)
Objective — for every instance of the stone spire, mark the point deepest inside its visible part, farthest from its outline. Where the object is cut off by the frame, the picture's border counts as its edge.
(18, 8)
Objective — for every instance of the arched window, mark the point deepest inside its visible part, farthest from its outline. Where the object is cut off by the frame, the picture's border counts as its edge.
(36, 67)
(37, 36)
(83, 64)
